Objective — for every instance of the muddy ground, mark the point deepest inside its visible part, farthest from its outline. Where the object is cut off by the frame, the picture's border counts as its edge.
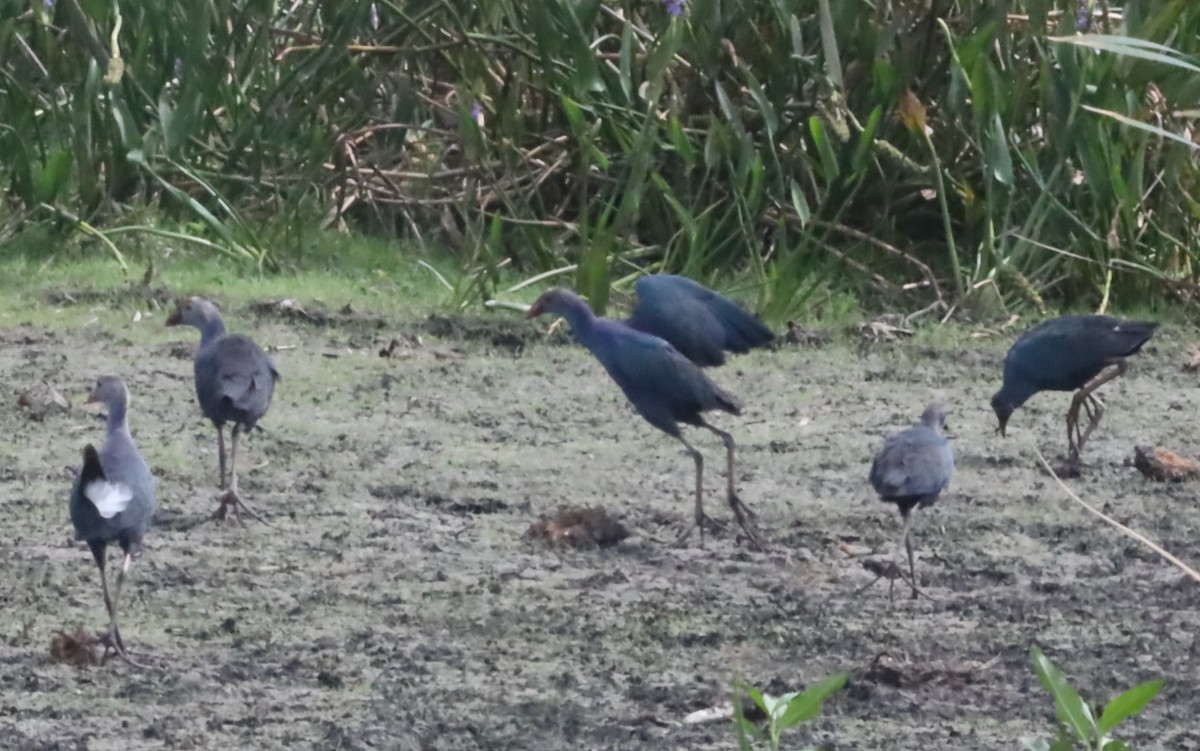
(399, 606)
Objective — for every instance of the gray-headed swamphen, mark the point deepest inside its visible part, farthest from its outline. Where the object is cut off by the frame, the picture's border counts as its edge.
(664, 387)
(911, 470)
(235, 381)
(698, 322)
(1065, 354)
(112, 499)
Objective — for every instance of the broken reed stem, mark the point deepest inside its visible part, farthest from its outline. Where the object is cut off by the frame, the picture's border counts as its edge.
(1119, 526)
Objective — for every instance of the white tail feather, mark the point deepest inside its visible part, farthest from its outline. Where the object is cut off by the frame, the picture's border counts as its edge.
(109, 498)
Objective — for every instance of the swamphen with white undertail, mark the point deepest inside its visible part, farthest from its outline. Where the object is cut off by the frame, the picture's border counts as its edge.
(235, 381)
(113, 499)
(911, 470)
(665, 387)
(698, 322)
(1065, 354)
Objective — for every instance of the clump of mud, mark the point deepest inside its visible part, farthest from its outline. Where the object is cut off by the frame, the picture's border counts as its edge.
(1192, 363)
(902, 671)
(77, 648)
(42, 400)
(406, 346)
(811, 338)
(580, 528)
(1164, 465)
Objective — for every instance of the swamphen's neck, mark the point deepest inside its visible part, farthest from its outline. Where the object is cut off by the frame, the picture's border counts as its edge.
(213, 329)
(581, 318)
(116, 423)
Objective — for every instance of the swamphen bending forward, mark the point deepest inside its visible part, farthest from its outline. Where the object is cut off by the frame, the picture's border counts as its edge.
(113, 499)
(698, 322)
(235, 381)
(665, 387)
(1065, 354)
(911, 470)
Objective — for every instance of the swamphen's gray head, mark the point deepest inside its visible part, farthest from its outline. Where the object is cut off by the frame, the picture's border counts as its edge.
(193, 311)
(1003, 409)
(934, 417)
(556, 300)
(110, 391)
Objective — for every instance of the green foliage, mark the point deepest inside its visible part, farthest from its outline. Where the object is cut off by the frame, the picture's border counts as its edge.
(782, 712)
(991, 158)
(1079, 725)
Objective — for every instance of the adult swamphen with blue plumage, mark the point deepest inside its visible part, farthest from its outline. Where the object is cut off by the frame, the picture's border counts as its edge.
(112, 499)
(911, 470)
(698, 322)
(664, 387)
(1065, 354)
(235, 381)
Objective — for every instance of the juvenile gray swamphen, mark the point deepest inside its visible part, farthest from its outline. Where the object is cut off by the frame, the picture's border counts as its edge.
(1065, 354)
(235, 381)
(911, 470)
(665, 387)
(112, 499)
(698, 322)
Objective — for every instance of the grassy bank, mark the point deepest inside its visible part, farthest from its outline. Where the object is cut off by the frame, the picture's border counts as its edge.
(997, 157)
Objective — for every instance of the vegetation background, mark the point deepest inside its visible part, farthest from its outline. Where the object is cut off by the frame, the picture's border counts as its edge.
(991, 156)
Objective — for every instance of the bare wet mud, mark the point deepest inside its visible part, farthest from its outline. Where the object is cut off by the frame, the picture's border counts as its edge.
(401, 605)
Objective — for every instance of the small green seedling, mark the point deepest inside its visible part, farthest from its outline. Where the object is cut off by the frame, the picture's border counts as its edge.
(1078, 725)
(783, 712)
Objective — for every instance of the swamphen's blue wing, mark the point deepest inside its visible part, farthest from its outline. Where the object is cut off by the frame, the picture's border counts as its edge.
(1065, 353)
(698, 322)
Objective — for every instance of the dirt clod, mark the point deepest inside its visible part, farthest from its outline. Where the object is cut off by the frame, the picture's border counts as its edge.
(1192, 363)
(579, 527)
(1164, 465)
(812, 338)
(900, 671)
(406, 346)
(42, 400)
(78, 648)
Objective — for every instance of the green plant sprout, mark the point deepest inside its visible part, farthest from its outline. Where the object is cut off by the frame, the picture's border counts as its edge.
(1079, 726)
(782, 712)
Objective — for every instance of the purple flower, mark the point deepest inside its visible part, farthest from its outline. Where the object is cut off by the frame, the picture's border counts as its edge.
(1083, 17)
(674, 7)
(477, 113)
(48, 4)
